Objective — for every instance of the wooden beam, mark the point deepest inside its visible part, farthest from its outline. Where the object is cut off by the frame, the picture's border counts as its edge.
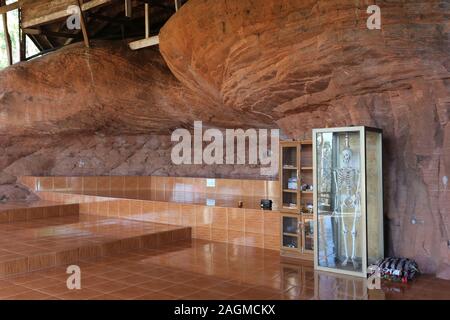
(128, 9)
(50, 33)
(61, 13)
(7, 36)
(42, 53)
(9, 7)
(83, 25)
(147, 42)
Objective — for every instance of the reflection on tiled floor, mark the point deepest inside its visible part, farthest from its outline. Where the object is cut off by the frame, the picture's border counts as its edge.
(40, 243)
(200, 269)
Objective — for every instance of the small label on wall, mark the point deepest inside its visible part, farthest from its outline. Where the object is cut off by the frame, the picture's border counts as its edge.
(210, 202)
(211, 183)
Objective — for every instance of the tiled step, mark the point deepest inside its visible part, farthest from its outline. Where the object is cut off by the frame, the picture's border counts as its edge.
(24, 211)
(27, 246)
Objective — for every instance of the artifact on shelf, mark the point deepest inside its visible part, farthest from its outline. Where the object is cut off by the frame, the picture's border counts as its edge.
(266, 204)
(292, 183)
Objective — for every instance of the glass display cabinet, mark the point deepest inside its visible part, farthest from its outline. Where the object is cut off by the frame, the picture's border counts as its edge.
(290, 176)
(348, 199)
(296, 181)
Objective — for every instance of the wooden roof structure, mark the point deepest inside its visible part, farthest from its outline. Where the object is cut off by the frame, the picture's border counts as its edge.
(45, 22)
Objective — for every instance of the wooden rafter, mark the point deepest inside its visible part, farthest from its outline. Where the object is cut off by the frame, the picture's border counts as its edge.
(83, 25)
(147, 41)
(60, 13)
(4, 8)
(49, 33)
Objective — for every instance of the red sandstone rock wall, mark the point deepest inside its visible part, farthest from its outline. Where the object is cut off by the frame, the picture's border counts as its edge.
(88, 155)
(108, 88)
(101, 111)
(313, 63)
(288, 63)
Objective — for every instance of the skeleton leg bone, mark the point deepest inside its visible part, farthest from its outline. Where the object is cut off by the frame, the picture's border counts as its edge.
(355, 263)
(354, 235)
(345, 232)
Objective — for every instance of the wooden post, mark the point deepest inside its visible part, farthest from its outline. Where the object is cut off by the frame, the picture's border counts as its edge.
(177, 5)
(7, 37)
(147, 41)
(147, 23)
(128, 9)
(22, 39)
(83, 24)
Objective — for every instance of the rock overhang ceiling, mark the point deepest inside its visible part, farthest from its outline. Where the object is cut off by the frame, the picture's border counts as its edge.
(292, 64)
(288, 59)
(108, 89)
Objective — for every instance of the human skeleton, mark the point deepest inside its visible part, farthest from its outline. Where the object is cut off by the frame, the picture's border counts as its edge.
(347, 198)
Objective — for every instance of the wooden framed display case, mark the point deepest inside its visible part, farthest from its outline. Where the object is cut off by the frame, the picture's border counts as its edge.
(296, 183)
(348, 199)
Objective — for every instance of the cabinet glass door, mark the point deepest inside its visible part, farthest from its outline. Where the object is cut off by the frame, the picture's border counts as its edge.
(289, 177)
(290, 232)
(308, 234)
(339, 180)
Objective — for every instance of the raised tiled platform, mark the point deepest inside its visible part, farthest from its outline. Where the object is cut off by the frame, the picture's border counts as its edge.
(27, 246)
(14, 211)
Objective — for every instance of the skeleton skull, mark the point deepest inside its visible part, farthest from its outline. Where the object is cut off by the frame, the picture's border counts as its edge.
(346, 156)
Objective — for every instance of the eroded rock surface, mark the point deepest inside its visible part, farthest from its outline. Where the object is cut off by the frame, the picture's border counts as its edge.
(108, 88)
(10, 190)
(263, 63)
(88, 155)
(314, 63)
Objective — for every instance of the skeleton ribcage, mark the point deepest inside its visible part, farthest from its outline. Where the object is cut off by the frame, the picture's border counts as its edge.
(346, 179)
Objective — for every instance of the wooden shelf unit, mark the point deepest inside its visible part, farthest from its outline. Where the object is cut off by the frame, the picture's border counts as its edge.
(297, 236)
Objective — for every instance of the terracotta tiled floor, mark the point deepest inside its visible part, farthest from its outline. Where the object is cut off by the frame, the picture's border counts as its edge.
(206, 270)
